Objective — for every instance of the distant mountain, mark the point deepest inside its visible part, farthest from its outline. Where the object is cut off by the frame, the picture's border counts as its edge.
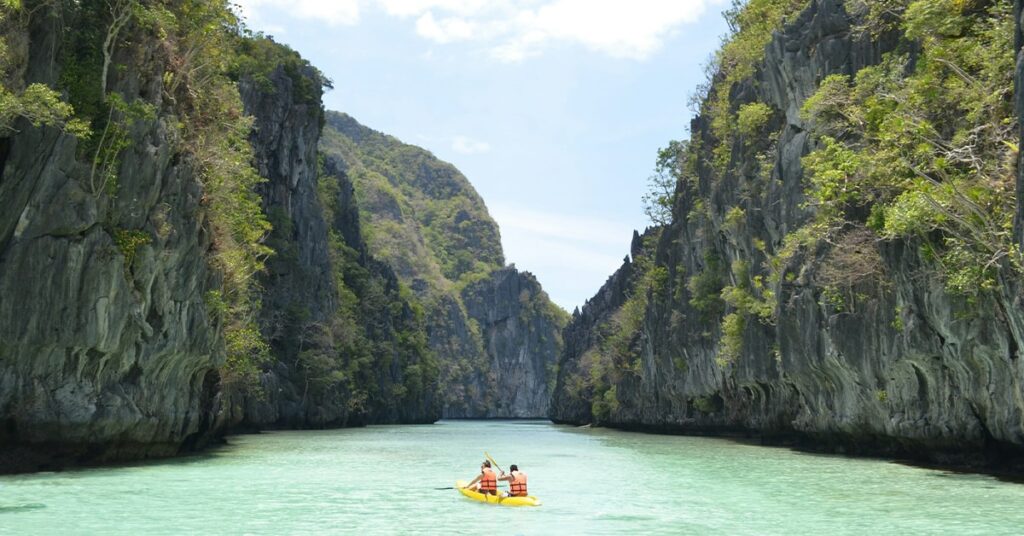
(495, 332)
(421, 214)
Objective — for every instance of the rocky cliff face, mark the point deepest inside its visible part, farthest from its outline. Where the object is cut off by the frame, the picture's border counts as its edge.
(468, 382)
(321, 284)
(110, 345)
(497, 337)
(571, 397)
(298, 289)
(522, 334)
(106, 352)
(901, 367)
(1018, 43)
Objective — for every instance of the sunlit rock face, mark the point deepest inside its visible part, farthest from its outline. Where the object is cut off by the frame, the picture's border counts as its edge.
(106, 351)
(901, 368)
(523, 338)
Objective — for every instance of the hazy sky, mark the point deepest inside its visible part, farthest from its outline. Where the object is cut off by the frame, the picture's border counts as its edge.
(554, 109)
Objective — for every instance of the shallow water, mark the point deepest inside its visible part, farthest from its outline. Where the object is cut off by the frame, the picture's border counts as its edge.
(381, 479)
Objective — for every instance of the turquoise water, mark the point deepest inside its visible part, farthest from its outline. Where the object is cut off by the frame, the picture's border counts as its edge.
(381, 479)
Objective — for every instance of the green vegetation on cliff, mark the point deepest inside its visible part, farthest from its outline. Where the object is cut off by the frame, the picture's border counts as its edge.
(837, 249)
(196, 99)
(374, 348)
(37, 103)
(920, 146)
(423, 217)
(751, 23)
(617, 349)
(421, 214)
(924, 146)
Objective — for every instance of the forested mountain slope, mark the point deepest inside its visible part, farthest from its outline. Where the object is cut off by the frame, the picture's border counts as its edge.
(495, 332)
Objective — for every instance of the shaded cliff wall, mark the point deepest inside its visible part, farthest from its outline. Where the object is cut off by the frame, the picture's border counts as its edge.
(1018, 43)
(397, 374)
(902, 367)
(572, 396)
(298, 290)
(332, 314)
(105, 353)
(522, 334)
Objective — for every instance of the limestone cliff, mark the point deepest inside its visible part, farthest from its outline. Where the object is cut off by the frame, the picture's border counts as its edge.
(1018, 44)
(106, 351)
(897, 365)
(522, 332)
(343, 339)
(115, 249)
(571, 399)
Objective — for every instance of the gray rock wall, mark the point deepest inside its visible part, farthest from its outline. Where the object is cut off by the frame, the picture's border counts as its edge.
(495, 339)
(1018, 14)
(570, 399)
(102, 357)
(902, 368)
(523, 340)
(468, 383)
(108, 353)
(300, 302)
(298, 289)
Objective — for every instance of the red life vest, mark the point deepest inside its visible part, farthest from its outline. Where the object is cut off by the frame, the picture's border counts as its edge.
(518, 484)
(489, 481)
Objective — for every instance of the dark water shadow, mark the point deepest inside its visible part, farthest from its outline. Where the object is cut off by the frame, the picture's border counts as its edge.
(14, 509)
(527, 421)
(208, 453)
(938, 470)
(75, 467)
(935, 469)
(942, 471)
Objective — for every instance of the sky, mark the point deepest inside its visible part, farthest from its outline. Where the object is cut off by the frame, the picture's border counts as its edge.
(553, 109)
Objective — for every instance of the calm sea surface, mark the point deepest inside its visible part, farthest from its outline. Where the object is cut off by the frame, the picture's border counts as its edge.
(381, 479)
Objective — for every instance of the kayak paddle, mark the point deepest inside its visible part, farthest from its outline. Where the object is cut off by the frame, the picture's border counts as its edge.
(494, 463)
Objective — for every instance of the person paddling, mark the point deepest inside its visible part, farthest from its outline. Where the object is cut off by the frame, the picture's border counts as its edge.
(486, 482)
(516, 480)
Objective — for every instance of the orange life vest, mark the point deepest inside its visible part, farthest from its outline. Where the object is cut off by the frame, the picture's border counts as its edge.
(488, 482)
(518, 484)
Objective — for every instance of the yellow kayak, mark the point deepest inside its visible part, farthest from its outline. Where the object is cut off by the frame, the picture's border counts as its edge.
(499, 500)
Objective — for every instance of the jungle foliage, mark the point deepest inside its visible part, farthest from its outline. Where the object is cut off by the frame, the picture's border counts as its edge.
(920, 148)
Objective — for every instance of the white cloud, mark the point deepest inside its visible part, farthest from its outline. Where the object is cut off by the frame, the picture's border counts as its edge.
(333, 12)
(466, 145)
(444, 30)
(516, 29)
(633, 29)
(409, 8)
